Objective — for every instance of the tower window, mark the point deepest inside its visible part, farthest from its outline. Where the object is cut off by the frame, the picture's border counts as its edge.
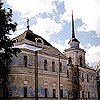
(53, 66)
(80, 61)
(46, 92)
(54, 93)
(25, 61)
(25, 92)
(45, 64)
(60, 67)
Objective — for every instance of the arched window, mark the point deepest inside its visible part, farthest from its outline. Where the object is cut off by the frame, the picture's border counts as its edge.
(61, 93)
(80, 61)
(46, 92)
(67, 73)
(82, 77)
(69, 60)
(53, 66)
(60, 68)
(92, 78)
(25, 61)
(25, 91)
(5, 93)
(45, 64)
(39, 42)
(54, 93)
(88, 94)
(87, 78)
(82, 94)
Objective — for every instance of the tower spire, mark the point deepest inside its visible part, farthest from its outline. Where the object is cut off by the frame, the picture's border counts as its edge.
(73, 32)
(74, 43)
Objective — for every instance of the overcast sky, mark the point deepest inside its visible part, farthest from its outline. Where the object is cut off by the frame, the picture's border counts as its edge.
(51, 19)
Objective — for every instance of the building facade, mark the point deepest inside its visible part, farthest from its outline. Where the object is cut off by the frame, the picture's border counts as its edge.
(98, 80)
(41, 70)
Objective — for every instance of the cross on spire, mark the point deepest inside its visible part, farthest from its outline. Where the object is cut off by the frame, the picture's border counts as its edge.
(28, 24)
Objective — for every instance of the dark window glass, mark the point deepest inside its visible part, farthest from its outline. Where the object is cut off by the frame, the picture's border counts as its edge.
(53, 66)
(45, 64)
(25, 92)
(80, 61)
(87, 78)
(60, 67)
(5, 93)
(39, 41)
(25, 61)
(82, 94)
(61, 93)
(88, 94)
(54, 93)
(69, 60)
(67, 73)
(82, 78)
(46, 92)
(79, 94)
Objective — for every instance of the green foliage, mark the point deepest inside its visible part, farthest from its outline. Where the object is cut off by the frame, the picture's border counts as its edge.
(6, 50)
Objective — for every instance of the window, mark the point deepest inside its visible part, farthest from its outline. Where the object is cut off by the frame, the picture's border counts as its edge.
(82, 94)
(46, 92)
(88, 94)
(25, 92)
(39, 42)
(25, 61)
(69, 60)
(54, 93)
(80, 61)
(61, 93)
(87, 78)
(53, 66)
(92, 78)
(79, 94)
(5, 93)
(45, 64)
(60, 67)
(82, 77)
(67, 73)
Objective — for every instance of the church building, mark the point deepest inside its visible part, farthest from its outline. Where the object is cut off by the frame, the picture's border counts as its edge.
(41, 72)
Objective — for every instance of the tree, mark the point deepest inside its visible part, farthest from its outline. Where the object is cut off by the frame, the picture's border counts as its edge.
(6, 44)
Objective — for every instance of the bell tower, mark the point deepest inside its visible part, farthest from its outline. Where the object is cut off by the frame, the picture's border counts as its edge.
(75, 54)
(76, 59)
